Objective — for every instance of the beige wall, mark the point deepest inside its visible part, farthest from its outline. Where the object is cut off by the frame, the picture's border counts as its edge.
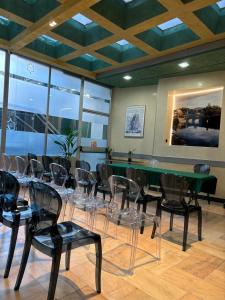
(156, 129)
(122, 98)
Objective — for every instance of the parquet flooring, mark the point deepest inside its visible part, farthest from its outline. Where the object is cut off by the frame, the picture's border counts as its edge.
(198, 273)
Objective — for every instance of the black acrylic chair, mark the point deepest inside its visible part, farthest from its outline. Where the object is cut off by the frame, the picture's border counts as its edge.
(53, 239)
(174, 190)
(46, 161)
(103, 172)
(141, 179)
(13, 212)
(202, 169)
(82, 164)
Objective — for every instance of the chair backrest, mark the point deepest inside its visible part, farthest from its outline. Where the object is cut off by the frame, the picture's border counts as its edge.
(202, 168)
(138, 176)
(31, 156)
(9, 184)
(46, 205)
(66, 163)
(122, 188)
(103, 172)
(6, 162)
(20, 165)
(59, 174)
(174, 188)
(85, 181)
(153, 163)
(82, 164)
(46, 161)
(36, 169)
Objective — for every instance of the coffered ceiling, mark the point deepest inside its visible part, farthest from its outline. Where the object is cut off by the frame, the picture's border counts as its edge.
(106, 39)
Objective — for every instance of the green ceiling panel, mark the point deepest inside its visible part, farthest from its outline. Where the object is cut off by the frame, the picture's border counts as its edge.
(201, 63)
(130, 14)
(31, 10)
(53, 50)
(121, 53)
(9, 29)
(213, 17)
(81, 34)
(169, 38)
(89, 63)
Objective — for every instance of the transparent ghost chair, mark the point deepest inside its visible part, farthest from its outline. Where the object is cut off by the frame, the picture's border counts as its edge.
(59, 176)
(84, 199)
(123, 190)
(6, 162)
(21, 167)
(37, 170)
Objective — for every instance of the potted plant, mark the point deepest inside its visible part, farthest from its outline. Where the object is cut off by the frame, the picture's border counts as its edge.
(130, 155)
(68, 144)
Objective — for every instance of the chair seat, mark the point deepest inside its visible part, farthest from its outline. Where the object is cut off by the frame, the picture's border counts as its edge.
(104, 189)
(71, 234)
(180, 210)
(25, 214)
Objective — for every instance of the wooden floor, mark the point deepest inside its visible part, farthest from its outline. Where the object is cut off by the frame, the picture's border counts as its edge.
(198, 273)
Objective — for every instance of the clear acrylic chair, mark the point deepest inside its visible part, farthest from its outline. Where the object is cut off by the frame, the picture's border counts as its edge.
(154, 163)
(59, 176)
(83, 197)
(37, 170)
(6, 162)
(21, 167)
(122, 190)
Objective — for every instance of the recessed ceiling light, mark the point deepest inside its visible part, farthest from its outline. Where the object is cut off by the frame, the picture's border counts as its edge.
(82, 19)
(122, 42)
(170, 24)
(52, 23)
(127, 1)
(127, 77)
(221, 4)
(184, 65)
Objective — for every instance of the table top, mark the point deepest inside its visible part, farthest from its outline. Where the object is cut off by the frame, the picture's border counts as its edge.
(186, 174)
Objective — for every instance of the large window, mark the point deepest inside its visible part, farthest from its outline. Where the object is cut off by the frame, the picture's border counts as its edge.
(95, 120)
(63, 108)
(2, 73)
(44, 105)
(27, 104)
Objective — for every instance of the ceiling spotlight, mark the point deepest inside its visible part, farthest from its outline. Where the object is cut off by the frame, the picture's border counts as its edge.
(184, 64)
(127, 77)
(52, 24)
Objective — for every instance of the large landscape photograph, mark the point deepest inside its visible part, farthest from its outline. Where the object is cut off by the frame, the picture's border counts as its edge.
(196, 118)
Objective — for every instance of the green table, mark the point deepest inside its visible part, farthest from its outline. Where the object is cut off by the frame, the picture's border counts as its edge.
(200, 182)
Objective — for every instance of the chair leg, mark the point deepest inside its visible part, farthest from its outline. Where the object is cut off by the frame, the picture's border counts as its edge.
(104, 196)
(98, 268)
(122, 207)
(208, 198)
(67, 257)
(11, 250)
(144, 209)
(186, 220)
(159, 214)
(54, 275)
(26, 251)
(171, 221)
(200, 224)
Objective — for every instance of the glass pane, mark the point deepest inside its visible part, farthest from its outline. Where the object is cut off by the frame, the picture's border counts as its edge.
(2, 74)
(28, 91)
(94, 128)
(96, 90)
(99, 105)
(93, 158)
(63, 109)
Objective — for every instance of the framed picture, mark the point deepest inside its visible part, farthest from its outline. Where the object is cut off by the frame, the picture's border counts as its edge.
(134, 121)
(196, 118)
